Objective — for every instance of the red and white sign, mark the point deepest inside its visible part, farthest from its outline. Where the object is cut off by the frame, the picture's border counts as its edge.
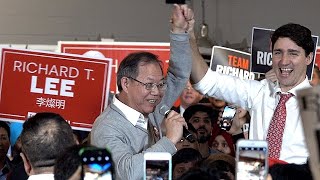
(318, 56)
(74, 86)
(117, 51)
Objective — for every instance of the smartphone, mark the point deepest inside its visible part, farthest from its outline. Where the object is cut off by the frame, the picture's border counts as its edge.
(97, 163)
(227, 116)
(157, 166)
(251, 160)
(175, 1)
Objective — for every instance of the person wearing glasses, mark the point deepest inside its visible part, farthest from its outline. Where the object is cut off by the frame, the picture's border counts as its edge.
(130, 126)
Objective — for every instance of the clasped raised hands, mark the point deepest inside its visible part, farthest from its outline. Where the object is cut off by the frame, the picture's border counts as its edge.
(182, 18)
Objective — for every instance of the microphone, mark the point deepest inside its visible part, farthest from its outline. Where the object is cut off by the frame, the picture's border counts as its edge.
(165, 110)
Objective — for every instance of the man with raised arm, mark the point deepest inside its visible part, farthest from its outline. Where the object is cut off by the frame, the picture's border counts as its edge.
(273, 107)
(130, 126)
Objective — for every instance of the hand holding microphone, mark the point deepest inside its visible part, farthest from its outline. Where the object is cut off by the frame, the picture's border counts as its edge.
(165, 110)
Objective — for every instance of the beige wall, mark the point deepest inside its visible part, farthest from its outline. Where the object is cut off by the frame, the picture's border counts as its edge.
(47, 21)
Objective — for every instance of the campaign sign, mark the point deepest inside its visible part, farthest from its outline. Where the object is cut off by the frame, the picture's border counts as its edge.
(117, 51)
(33, 81)
(318, 57)
(231, 62)
(261, 56)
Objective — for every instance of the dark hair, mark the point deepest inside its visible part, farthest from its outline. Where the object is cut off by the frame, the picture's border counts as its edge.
(129, 66)
(5, 126)
(297, 33)
(67, 163)
(186, 155)
(290, 171)
(221, 165)
(44, 137)
(191, 110)
(204, 173)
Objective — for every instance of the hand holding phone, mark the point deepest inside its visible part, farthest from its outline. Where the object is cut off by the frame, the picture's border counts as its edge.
(157, 166)
(227, 116)
(251, 160)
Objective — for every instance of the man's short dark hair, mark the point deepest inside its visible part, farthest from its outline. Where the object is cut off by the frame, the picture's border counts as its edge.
(44, 136)
(204, 173)
(68, 162)
(186, 155)
(191, 110)
(5, 126)
(129, 66)
(297, 33)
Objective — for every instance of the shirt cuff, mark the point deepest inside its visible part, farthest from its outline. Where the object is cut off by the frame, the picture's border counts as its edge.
(179, 36)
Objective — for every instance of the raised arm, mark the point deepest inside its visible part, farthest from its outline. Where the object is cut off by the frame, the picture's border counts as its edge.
(199, 66)
(180, 57)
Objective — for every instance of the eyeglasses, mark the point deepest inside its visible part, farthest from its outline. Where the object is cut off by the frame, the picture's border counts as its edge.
(151, 86)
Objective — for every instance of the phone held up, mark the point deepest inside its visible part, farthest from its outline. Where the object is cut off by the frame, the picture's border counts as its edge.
(97, 163)
(251, 160)
(157, 166)
(227, 116)
(175, 1)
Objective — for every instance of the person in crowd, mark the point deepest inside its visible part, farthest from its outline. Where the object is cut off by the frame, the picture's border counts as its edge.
(202, 118)
(292, 50)
(130, 126)
(44, 137)
(184, 160)
(4, 147)
(188, 97)
(68, 164)
(222, 163)
(16, 164)
(241, 118)
(222, 142)
(84, 162)
(184, 143)
(204, 173)
(217, 103)
(315, 76)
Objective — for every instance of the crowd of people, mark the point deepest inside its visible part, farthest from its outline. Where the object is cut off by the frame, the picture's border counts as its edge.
(134, 122)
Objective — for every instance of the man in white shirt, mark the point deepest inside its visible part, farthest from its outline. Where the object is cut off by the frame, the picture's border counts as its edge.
(292, 51)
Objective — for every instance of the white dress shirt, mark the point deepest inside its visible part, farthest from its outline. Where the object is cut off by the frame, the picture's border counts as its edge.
(131, 114)
(182, 110)
(41, 177)
(260, 98)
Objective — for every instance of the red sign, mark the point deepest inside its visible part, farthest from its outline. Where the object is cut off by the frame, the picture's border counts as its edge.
(117, 51)
(318, 57)
(74, 86)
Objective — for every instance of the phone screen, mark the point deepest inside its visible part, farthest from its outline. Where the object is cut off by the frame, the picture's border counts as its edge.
(227, 116)
(157, 169)
(175, 1)
(251, 163)
(97, 163)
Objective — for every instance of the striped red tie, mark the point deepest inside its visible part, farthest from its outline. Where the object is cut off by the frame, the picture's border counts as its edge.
(276, 127)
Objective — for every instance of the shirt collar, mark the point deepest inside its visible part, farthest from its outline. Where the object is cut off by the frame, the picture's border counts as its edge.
(131, 114)
(305, 83)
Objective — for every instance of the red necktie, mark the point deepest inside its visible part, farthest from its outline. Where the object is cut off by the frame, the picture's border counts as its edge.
(276, 127)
